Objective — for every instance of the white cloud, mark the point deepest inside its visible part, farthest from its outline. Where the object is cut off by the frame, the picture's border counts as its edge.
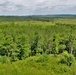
(29, 7)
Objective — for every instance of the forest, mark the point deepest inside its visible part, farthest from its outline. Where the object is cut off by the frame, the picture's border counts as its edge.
(37, 45)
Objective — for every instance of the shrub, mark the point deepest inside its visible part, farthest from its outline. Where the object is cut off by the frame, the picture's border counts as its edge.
(67, 58)
(4, 59)
(43, 58)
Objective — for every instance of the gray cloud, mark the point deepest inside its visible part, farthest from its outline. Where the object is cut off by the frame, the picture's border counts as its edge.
(31, 7)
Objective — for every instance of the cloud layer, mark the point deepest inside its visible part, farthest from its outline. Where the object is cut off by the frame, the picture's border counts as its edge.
(37, 7)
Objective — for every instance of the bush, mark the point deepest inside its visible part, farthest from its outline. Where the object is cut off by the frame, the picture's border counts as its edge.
(43, 58)
(4, 59)
(67, 58)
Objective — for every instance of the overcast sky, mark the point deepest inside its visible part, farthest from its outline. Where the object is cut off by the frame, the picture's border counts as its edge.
(37, 7)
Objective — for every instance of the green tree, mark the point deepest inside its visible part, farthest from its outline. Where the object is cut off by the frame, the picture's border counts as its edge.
(6, 46)
(23, 46)
(55, 47)
(34, 44)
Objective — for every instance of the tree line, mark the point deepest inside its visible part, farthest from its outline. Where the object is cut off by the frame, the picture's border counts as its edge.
(18, 41)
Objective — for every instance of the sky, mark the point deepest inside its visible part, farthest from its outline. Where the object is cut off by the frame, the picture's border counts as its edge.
(37, 7)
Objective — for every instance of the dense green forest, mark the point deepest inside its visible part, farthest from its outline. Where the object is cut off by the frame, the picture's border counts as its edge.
(35, 45)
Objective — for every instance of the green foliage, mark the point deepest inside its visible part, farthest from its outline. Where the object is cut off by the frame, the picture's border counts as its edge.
(33, 43)
(23, 46)
(30, 66)
(43, 58)
(4, 59)
(67, 58)
(55, 48)
(28, 36)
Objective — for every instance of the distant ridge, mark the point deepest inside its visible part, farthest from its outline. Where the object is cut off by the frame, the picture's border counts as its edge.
(48, 15)
(57, 15)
